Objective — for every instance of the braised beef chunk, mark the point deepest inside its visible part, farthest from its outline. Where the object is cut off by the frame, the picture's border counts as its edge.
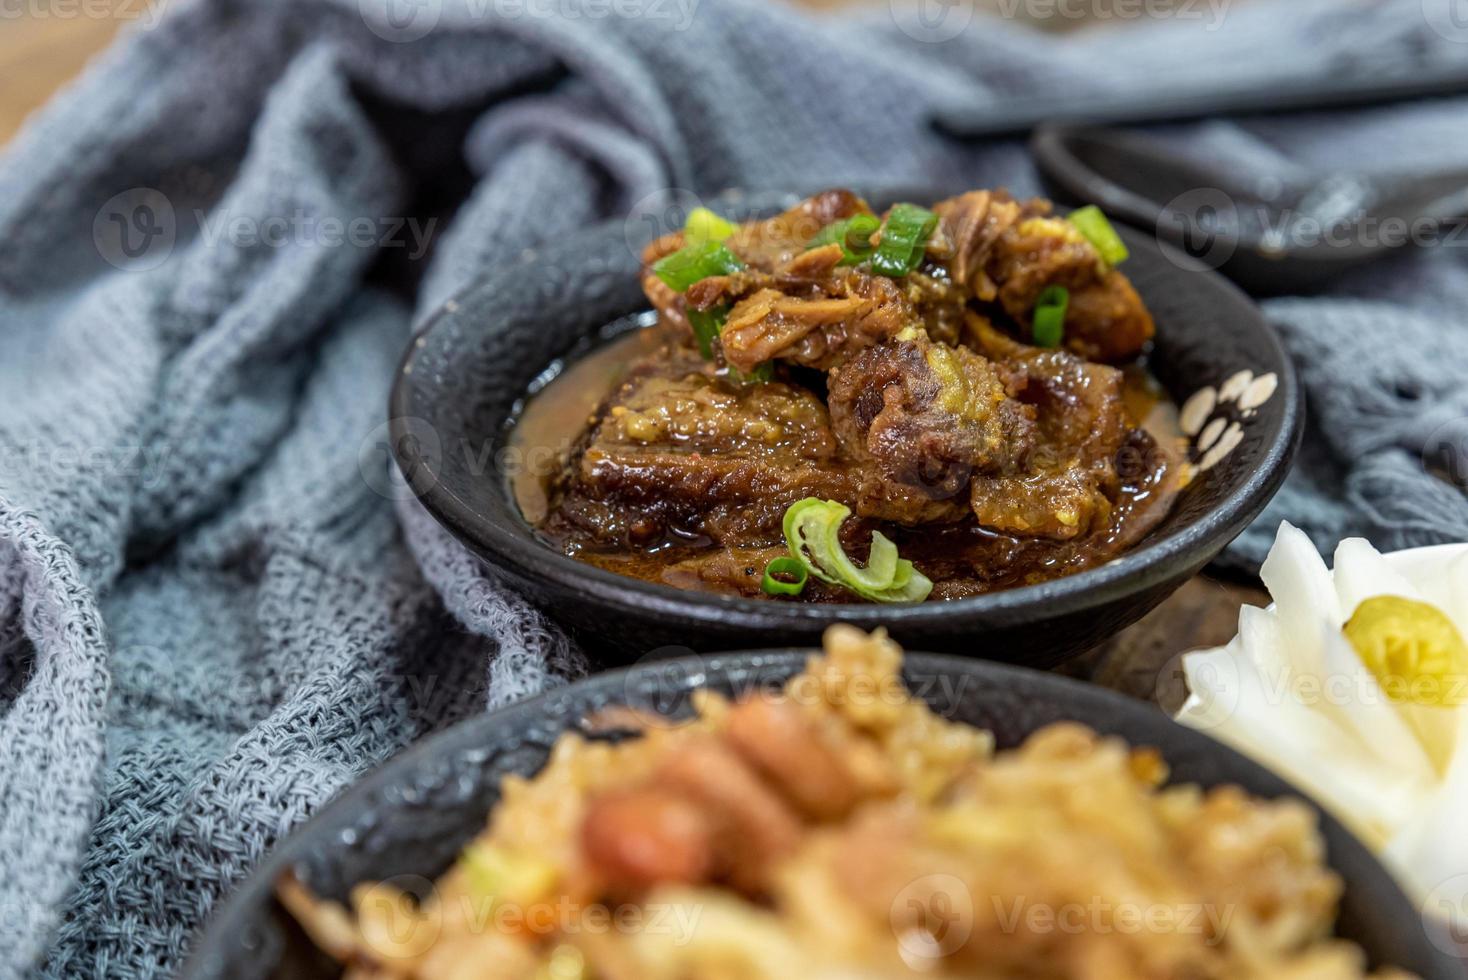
(1010, 251)
(676, 454)
(912, 398)
(819, 328)
(974, 223)
(1107, 321)
(1070, 479)
(768, 244)
(929, 416)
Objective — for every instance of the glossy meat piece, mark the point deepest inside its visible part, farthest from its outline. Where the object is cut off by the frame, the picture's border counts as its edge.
(1069, 480)
(820, 329)
(803, 275)
(928, 415)
(676, 454)
(1107, 321)
(1039, 252)
(680, 456)
(974, 223)
(1059, 505)
(768, 244)
(681, 406)
(808, 280)
(1010, 251)
(775, 251)
(727, 571)
(668, 303)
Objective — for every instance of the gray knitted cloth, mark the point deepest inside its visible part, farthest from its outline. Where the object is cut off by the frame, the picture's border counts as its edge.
(213, 616)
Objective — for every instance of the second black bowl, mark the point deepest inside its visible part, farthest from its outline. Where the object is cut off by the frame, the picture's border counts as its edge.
(466, 373)
(409, 820)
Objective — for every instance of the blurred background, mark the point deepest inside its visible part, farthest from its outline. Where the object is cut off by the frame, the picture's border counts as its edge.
(45, 43)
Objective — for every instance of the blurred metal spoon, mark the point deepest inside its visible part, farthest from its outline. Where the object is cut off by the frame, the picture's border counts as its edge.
(1268, 234)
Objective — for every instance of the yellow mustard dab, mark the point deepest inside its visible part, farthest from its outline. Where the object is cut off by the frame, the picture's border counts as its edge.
(1415, 651)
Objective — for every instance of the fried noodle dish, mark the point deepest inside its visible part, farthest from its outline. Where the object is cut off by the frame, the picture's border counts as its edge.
(837, 405)
(838, 828)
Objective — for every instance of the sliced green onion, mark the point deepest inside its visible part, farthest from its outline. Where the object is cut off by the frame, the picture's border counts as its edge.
(901, 248)
(704, 225)
(792, 567)
(812, 529)
(707, 325)
(854, 234)
(1048, 322)
(761, 373)
(694, 263)
(1092, 224)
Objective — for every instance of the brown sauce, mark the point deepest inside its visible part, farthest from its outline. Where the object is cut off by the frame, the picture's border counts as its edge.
(546, 430)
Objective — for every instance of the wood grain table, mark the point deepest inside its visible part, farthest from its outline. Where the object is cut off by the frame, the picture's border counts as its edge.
(40, 54)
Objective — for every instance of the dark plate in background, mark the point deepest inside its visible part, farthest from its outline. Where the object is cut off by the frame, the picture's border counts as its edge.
(414, 815)
(464, 376)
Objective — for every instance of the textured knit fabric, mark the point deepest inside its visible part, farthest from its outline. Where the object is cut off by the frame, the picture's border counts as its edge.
(216, 606)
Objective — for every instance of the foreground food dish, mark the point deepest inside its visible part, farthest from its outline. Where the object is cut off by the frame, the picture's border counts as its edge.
(841, 406)
(837, 827)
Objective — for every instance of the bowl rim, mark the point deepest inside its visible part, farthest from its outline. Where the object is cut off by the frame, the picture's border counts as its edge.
(519, 553)
(1069, 695)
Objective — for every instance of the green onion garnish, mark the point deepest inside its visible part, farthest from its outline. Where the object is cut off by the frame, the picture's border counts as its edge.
(901, 248)
(1048, 322)
(1092, 224)
(811, 532)
(762, 372)
(791, 567)
(854, 234)
(694, 263)
(704, 225)
(707, 325)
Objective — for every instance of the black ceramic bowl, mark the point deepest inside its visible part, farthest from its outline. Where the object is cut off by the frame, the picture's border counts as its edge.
(1224, 220)
(466, 373)
(413, 816)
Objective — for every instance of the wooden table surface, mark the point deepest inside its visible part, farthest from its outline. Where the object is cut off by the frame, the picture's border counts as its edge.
(39, 55)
